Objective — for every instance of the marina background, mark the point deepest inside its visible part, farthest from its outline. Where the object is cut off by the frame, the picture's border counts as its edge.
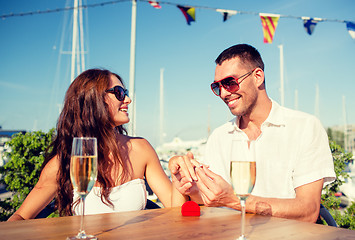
(35, 66)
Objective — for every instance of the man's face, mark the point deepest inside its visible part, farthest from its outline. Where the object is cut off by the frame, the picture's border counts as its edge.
(242, 101)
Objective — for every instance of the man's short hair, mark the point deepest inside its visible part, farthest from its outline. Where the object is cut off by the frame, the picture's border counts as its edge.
(247, 54)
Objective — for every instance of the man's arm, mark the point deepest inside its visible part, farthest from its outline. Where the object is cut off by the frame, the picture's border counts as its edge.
(304, 207)
(215, 191)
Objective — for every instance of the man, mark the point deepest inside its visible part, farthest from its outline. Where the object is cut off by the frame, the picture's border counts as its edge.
(294, 158)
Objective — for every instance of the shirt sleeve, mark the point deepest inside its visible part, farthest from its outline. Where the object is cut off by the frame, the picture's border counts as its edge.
(315, 161)
(216, 155)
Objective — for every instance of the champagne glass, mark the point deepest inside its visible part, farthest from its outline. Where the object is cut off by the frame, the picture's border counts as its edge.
(83, 173)
(243, 173)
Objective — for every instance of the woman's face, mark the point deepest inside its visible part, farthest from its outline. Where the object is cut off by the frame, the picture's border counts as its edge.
(118, 109)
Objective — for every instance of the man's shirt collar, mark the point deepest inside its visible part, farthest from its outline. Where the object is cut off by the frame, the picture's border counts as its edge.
(275, 118)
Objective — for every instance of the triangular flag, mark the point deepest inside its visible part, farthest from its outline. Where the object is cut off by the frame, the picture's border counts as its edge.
(269, 22)
(188, 12)
(155, 4)
(351, 29)
(310, 23)
(226, 13)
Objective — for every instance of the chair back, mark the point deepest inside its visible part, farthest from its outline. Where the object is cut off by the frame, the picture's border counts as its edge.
(50, 208)
(326, 216)
(151, 205)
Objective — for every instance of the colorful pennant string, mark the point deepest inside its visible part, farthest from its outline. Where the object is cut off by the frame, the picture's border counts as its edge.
(269, 21)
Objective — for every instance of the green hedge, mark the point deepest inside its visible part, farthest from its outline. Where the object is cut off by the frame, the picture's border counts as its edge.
(22, 170)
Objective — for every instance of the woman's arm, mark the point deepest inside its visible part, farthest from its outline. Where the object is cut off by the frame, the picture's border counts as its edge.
(154, 173)
(41, 195)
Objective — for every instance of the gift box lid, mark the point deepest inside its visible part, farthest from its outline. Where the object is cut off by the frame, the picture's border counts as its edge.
(190, 208)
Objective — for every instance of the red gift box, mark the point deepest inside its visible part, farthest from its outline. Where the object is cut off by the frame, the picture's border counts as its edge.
(190, 208)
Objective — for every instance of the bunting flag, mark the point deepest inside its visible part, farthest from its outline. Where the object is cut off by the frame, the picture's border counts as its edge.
(269, 23)
(351, 29)
(155, 4)
(310, 24)
(189, 13)
(226, 13)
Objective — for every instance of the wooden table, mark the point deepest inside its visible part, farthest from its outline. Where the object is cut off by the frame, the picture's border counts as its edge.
(168, 223)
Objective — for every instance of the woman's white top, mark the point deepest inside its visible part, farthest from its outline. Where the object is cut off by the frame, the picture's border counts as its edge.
(129, 196)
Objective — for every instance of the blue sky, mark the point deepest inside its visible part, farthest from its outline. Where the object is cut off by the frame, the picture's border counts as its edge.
(34, 75)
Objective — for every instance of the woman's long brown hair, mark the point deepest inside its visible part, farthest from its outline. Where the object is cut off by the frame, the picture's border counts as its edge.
(86, 114)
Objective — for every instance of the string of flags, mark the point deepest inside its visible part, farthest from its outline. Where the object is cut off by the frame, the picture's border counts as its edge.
(269, 21)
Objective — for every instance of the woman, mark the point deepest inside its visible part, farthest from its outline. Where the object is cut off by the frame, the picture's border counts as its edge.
(96, 105)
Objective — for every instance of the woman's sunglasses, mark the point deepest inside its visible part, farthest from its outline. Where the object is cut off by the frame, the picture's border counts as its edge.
(229, 83)
(119, 92)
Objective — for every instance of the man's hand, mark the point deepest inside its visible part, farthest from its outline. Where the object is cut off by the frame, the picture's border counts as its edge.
(214, 190)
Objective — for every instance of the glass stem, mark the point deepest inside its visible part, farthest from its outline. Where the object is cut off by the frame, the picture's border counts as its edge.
(82, 216)
(242, 204)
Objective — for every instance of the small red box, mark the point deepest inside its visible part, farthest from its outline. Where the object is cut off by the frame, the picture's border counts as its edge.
(190, 208)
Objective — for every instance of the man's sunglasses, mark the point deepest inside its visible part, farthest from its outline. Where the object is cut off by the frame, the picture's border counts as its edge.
(229, 83)
(119, 92)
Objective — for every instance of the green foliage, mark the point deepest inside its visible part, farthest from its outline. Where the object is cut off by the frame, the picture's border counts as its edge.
(22, 170)
(6, 209)
(340, 160)
(346, 218)
(336, 136)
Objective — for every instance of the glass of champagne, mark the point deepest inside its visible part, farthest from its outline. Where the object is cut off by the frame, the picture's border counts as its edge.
(83, 173)
(243, 173)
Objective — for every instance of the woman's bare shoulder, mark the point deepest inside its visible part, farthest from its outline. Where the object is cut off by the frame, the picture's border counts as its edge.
(53, 163)
(141, 148)
(51, 168)
(137, 143)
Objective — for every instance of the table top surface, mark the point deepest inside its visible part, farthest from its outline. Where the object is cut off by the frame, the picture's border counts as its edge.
(168, 223)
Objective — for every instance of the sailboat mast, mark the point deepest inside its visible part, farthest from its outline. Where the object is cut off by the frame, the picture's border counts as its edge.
(345, 126)
(316, 106)
(82, 49)
(209, 121)
(74, 42)
(161, 106)
(282, 91)
(132, 109)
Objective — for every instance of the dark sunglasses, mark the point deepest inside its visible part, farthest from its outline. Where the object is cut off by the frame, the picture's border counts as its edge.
(229, 83)
(119, 92)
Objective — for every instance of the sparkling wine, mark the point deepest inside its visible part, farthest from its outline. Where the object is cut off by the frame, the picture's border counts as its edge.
(243, 175)
(83, 173)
